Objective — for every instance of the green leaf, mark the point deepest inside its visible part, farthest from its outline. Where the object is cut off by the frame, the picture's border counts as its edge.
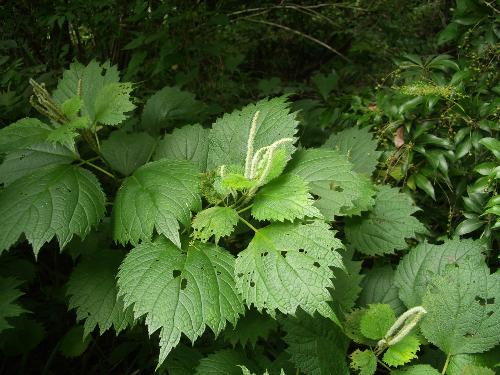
(316, 344)
(9, 293)
(112, 102)
(402, 352)
(214, 221)
(180, 292)
(181, 361)
(384, 229)
(364, 361)
(71, 107)
(73, 344)
(237, 182)
(93, 293)
(23, 133)
(229, 134)
(156, 196)
(330, 177)
(28, 160)
(168, 105)
(425, 261)
(462, 309)
(417, 370)
(477, 370)
(286, 266)
(59, 200)
(127, 152)
(377, 320)
(352, 327)
(459, 361)
(225, 362)
(359, 146)
(378, 287)
(187, 143)
(468, 226)
(250, 328)
(493, 145)
(285, 198)
(424, 184)
(25, 335)
(66, 134)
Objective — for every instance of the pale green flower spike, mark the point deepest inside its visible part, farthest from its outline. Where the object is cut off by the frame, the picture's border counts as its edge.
(251, 139)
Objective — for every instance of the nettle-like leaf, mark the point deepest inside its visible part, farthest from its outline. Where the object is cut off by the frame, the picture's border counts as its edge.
(425, 261)
(250, 328)
(359, 146)
(112, 102)
(417, 370)
(183, 360)
(459, 361)
(285, 198)
(59, 200)
(385, 227)
(29, 159)
(229, 134)
(187, 143)
(73, 344)
(225, 362)
(287, 266)
(378, 287)
(376, 321)
(403, 351)
(157, 196)
(126, 152)
(214, 221)
(331, 178)
(477, 370)
(364, 361)
(462, 308)
(317, 345)
(23, 133)
(180, 292)
(93, 293)
(9, 293)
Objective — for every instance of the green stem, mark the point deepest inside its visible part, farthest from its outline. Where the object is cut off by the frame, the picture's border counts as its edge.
(248, 224)
(245, 209)
(384, 365)
(109, 174)
(445, 367)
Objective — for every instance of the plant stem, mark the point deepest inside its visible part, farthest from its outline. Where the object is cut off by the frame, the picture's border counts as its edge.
(384, 365)
(249, 225)
(109, 174)
(245, 209)
(445, 367)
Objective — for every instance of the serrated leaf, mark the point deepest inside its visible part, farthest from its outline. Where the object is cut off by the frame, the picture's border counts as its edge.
(378, 287)
(459, 361)
(285, 198)
(364, 361)
(73, 343)
(93, 293)
(112, 102)
(181, 361)
(71, 107)
(60, 200)
(462, 309)
(229, 134)
(214, 221)
(316, 344)
(385, 227)
(366, 199)
(352, 327)
(157, 196)
(250, 328)
(402, 352)
(236, 182)
(23, 133)
(425, 261)
(225, 362)
(67, 133)
(377, 320)
(287, 266)
(187, 143)
(180, 292)
(477, 370)
(359, 146)
(9, 293)
(330, 177)
(126, 152)
(25, 161)
(417, 370)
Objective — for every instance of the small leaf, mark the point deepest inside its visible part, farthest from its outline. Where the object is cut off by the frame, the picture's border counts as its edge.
(9, 293)
(402, 352)
(417, 370)
(225, 362)
(23, 133)
(112, 102)
(377, 320)
(73, 344)
(424, 184)
(477, 370)
(493, 145)
(468, 226)
(364, 361)
(214, 221)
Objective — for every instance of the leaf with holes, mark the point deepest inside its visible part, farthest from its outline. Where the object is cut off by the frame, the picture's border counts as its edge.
(214, 221)
(364, 361)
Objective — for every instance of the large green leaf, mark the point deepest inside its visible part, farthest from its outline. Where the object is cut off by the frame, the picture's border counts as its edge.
(385, 228)
(287, 266)
(331, 178)
(285, 198)
(250, 328)
(425, 261)
(229, 135)
(180, 292)
(59, 200)
(462, 308)
(23, 133)
(112, 102)
(157, 196)
(127, 152)
(359, 146)
(417, 370)
(93, 293)
(225, 362)
(9, 293)
(316, 344)
(187, 143)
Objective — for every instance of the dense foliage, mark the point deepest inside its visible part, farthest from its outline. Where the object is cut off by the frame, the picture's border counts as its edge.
(249, 188)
